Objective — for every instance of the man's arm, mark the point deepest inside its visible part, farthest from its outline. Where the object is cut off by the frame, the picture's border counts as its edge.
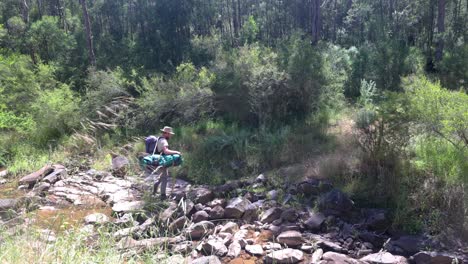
(167, 151)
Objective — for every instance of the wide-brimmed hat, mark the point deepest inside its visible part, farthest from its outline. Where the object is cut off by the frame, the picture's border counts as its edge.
(168, 129)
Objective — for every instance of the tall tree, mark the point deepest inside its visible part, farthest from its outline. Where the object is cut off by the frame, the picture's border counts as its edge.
(89, 36)
(316, 20)
(440, 30)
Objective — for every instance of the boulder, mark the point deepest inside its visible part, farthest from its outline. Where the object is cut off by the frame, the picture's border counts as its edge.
(207, 260)
(217, 212)
(201, 195)
(333, 257)
(36, 176)
(8, 204)
(200, 216)
(271, 215)
(290, 238)
(96, 218)
(178, 224)
(384, 258)
(236, 208)
(315, 221)
(214, 247)
(254, 249)
(335, 202)
(229, 227)
(426, 257)
(234, 249)
(199, 230)
(125, 207)
(289, 215)
(284, 256)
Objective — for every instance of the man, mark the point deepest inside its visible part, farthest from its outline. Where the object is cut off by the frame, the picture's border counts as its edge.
(162, 148)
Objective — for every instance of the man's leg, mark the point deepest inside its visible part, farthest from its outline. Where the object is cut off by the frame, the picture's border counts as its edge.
(163, 181)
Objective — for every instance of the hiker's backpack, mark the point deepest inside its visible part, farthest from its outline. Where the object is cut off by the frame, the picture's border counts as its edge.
(151, 144)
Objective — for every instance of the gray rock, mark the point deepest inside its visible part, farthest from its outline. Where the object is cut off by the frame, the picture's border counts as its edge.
(234, 249)
(315, 221)
(335, 202)
(145, 244)
(169, 213)
(36, 176)
(201, 195)
(289, 215)
(200, 216)
(316, 256)
(271, 215)
(125, 207)
(207, 260)
(260, 178)
(217, 202)
(308, 188)
(230, 227)
(7, 204)
(384, 258)
(96, 218)
(251, 212)
(333, 257)
(182, 248)
(254, 249)
(236, 208)
(272, 246)
(200, 230)
(174, 259)
(425, 257)
(119, 165)
(376, 219)
(178, 224)
(273, 195)
(405, 245)
(284, 256)
(217, 212)
(214, 247)
(290, 238)
(55, 176)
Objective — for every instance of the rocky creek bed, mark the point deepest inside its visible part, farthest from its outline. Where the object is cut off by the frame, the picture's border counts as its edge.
(230, 223)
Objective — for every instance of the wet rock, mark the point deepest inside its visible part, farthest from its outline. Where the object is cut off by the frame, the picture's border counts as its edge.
(315, 221)
(234, 249)
(200, 216)
(207, 260)
(200, 230)
(333, 257)
(316, 256)
(236, 208)
(214, 247)
(125, 207)
(290, 238)
(335, 202)
(271, 215)
(384, 258)
(217, 212)
(284, 256)
(96, 218)
(36, 176)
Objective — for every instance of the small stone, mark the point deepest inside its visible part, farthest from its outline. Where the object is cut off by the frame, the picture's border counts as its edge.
(290, 238)
(284, 256)
(199, 230)
(254, 249)
(230, 227)
(317, 256)
(385, 258)
(214, 247)
(334, 257)
(207, 260)
(236, 208)
(271, 214)
(96, 218)
(315, 221)
(178, 224)
(289, 215)
(234, 249)
(200, 216)
(124, 207)
(260, 178)
(217, 212)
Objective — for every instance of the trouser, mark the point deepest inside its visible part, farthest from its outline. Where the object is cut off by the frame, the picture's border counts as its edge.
(163, 181)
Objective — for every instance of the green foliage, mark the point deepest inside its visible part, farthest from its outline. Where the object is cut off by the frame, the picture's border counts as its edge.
(249, 31)
(453, 67)
(50, 41)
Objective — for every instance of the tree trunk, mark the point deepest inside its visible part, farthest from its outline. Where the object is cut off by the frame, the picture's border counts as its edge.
(24, 11)
(39, 8)
(316, 21)
(89, 36)
(440, 30)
